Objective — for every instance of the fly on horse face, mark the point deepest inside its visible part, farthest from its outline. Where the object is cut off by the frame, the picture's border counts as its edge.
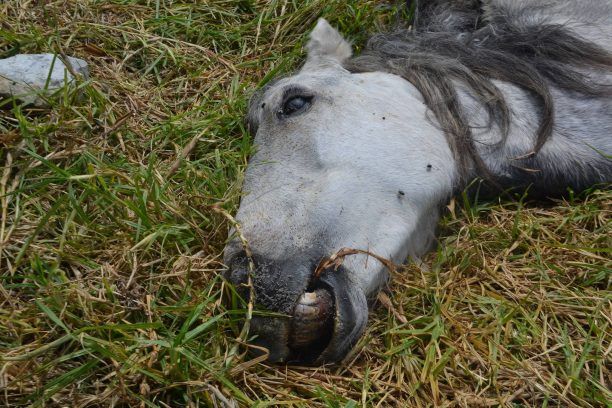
(364, 152)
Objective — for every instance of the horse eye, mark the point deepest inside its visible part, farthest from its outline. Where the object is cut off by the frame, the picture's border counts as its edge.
(295, 104)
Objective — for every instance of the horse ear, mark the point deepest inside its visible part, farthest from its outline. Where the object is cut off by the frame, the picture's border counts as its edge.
(327, 43)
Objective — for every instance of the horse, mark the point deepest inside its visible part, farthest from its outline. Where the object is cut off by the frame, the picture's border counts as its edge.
(356, 156)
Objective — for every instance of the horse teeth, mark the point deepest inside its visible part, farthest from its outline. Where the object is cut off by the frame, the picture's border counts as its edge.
(311, 316)
(308, 298)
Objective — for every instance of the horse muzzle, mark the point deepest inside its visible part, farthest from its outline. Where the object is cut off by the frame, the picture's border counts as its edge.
(316, 321)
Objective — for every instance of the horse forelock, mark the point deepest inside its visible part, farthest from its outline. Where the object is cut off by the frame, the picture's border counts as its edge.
(534, 57)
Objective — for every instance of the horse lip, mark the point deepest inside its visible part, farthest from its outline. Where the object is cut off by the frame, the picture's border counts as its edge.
(272, 338)
(351, 311)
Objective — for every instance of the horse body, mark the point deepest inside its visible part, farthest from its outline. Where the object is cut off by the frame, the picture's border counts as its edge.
(363, 152)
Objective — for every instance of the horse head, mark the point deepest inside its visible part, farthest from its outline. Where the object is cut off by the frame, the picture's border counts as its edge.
(343, 160)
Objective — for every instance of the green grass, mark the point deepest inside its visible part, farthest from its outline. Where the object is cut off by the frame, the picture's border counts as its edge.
(110, 237)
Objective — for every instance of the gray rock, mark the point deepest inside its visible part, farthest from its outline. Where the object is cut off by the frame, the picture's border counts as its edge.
(27, 76)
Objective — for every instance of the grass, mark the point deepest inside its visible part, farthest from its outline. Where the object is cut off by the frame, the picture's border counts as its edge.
(110, 237)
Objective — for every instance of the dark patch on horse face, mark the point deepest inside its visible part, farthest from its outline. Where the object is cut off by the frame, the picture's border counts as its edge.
(429, 166)
(400, 194)
(277, 284)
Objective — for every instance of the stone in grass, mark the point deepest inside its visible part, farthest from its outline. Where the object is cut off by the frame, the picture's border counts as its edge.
(28, 76)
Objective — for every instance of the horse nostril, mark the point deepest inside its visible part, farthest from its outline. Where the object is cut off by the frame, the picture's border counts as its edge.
(312, 318)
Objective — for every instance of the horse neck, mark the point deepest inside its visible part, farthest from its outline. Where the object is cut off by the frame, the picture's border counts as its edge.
(569, 158)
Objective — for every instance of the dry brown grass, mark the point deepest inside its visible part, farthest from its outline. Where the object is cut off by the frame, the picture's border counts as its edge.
(110, 237)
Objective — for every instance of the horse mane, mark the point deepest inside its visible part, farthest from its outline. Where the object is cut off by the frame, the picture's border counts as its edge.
(462, 48)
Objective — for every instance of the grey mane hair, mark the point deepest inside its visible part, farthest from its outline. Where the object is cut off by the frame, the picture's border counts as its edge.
(445, 15)
(454, 48)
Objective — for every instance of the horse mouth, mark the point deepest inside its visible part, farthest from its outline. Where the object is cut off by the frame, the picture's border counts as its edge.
(328, 320)
(321, 325)
(312, 325)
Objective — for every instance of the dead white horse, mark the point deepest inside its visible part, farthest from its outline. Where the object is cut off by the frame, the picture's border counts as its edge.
(363, 152)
